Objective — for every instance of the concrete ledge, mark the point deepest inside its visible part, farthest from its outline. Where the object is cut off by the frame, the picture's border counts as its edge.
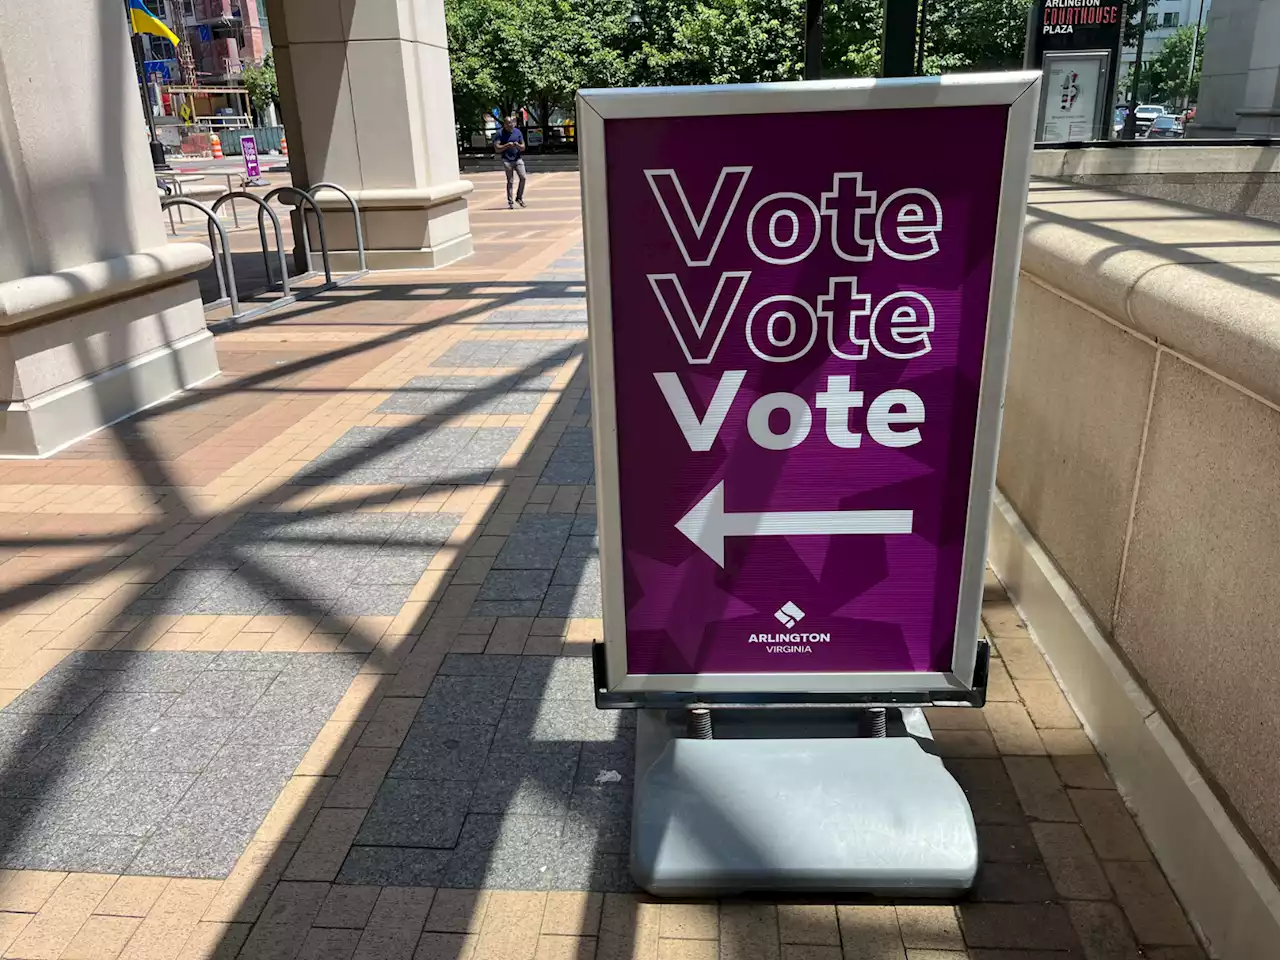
(1110, 161)
(1231, 897)
(72, 377)
(1133, 260)
(401, 199)
(31, 298)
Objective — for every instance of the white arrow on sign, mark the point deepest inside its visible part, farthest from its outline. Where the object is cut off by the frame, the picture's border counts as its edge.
(707, 525)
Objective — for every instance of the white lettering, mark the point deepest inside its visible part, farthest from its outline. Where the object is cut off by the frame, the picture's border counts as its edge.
(700, 434)
(909, 325)
(699, 339)
(884, 412)
(799, 420)
(915, 219)
(796, 312)
(837, 399)
(697, 244)
(843, 303)
(801, 211)
(846, 205)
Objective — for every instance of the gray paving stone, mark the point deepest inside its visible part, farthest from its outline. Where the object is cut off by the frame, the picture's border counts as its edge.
(258, 762)
(583, 600)
(394, 866)
(505, 608)
(66, 692)
(362, 600)
(22, 736)
(82, 853)
(561, 469)
(221, 694)
(504, 353)
(416, 813)
(480, 665)
(284, 729)
(554, 678)
(596, 871)
(233, 597)
(580, 547)
(600, 817)
(536, 543)
(301, 694)
(544, 725)
(534, 784)
(505, 852)
(515, 585)
(51, 778)
(127, 802)
(178, 743)
(465, 700)
(576, 570)
(442, 751)
(395, 567)
(252, 660)
(191, 848)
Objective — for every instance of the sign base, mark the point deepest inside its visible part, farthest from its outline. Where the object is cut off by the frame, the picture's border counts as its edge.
(808, 813)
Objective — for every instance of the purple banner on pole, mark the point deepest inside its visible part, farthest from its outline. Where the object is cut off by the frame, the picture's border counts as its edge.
(249, 150)
(799, 312)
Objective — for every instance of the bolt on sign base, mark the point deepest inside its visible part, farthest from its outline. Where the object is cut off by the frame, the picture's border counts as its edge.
(724, 817)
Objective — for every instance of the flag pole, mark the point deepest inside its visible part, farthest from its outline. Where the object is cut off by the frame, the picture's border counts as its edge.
(157, 148)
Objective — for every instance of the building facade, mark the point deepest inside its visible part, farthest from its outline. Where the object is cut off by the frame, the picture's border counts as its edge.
(225, 36)
(1240, 82)
(1164, 17)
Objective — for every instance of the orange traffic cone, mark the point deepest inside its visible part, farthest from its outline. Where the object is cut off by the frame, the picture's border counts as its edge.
(217, 146)
(284, 145)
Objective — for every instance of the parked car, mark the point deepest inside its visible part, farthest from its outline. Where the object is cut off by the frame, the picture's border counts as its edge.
(1147, 113)
(1167, 126)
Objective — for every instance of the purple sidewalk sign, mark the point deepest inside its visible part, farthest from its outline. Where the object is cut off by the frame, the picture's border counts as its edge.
(249, 150)
(800, 299)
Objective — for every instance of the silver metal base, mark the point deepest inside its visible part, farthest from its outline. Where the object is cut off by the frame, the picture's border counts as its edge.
(813, 813)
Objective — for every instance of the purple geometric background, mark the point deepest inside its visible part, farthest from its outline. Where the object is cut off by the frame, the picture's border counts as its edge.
(888, 602)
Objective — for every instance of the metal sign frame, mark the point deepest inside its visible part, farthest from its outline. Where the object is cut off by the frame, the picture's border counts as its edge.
(1020, 93)
(1102, 113)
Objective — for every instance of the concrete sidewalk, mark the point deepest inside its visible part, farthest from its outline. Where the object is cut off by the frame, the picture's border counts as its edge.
(295, 666)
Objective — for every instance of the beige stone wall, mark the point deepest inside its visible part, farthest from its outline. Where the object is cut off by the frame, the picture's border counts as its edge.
(1141, 446)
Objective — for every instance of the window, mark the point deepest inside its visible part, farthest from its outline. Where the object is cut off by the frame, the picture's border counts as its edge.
(1152, 21)
(1170, 20)
(162, 49)
(158, 8)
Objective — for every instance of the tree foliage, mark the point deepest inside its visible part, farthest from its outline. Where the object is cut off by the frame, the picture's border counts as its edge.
(260, 81)
(1164, 77)
(538, 53)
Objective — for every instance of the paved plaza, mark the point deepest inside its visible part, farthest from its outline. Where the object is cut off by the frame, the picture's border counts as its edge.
(295, 666)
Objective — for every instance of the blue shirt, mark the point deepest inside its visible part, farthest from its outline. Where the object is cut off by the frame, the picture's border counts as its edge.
(512, 136)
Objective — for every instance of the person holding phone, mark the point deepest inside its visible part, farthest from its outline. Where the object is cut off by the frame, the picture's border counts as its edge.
(509, 144)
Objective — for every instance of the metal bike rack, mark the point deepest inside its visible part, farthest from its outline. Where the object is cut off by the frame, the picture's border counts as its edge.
(355, 215)
(224, 269)
(262, 234)
(306, 241)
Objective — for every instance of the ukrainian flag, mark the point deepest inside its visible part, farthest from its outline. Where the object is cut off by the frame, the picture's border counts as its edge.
(144, 21)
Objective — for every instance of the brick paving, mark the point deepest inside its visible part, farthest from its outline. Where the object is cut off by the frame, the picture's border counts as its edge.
(305, 651)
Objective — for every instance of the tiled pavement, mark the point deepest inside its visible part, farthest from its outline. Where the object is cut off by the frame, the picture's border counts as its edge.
(308, 644)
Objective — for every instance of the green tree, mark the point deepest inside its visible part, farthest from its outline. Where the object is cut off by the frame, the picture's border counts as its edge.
(260, 81)
(851, 42)
(718, 41)
(1164, 76)
(967, 35)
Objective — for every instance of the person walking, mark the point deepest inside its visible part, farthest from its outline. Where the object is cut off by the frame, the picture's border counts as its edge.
(509, 144)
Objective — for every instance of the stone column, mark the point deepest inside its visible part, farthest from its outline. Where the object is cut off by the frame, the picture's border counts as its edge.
(1240, 82)
(368, 105)
(97, 319)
